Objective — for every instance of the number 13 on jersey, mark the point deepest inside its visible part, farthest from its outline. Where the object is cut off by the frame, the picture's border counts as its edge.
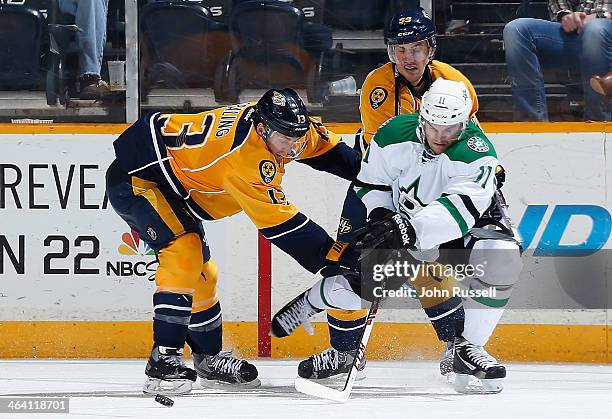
(277, 197)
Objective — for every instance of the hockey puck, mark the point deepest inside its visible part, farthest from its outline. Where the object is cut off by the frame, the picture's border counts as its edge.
(163, 400)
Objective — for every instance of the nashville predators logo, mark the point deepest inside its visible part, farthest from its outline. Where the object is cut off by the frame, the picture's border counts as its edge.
(278, 99)
(345, 226)
(377, 97)
(267, 170)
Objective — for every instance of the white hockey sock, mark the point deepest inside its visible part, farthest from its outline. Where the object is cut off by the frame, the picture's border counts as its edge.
(501, 261)
(334, 292)
(480, 321)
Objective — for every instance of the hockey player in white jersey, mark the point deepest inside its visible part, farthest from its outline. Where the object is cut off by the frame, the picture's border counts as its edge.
(428, 182)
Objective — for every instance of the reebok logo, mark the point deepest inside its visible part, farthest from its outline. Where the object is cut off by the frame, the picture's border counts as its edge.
(403, 229)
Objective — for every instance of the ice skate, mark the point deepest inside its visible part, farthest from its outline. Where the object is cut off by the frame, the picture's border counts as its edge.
(225, 370)
(473, 361)
(330, 364)
(295, 313)
(166, 372)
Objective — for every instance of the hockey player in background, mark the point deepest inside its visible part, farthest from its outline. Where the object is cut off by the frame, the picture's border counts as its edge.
(397, 87)
(392, 89)
(171, 172)
(426, 180)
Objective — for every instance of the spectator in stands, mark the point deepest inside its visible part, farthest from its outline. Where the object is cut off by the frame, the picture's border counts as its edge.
(580, 36)
(602, 84)
(90, 17)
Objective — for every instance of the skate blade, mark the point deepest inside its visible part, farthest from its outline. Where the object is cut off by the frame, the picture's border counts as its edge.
(468, 384)
(167, 387)
(216, 384)
(338, 378)
(449, 377)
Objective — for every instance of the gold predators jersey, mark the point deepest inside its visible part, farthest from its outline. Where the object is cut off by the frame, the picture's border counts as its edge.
(218, 163)
(378, 101)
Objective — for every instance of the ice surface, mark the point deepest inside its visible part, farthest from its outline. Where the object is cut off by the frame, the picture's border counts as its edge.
(112, 389)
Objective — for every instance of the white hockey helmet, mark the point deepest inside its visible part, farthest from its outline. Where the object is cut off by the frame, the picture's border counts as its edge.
(447, 102)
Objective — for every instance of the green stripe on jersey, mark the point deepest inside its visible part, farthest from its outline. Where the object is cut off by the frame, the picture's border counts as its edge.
(362, 191)
(455, 213)
(492, 302)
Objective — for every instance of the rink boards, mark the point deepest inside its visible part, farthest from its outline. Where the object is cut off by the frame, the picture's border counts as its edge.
(74, 280)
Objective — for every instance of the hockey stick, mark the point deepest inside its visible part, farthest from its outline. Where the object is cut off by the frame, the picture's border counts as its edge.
(318, 390)
(500, 200)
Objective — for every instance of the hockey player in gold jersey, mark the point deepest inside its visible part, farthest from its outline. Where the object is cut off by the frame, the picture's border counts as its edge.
(397, 86)
(391, 89)
(173, 171)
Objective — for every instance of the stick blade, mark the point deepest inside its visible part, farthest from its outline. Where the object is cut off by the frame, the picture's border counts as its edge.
(318, 390)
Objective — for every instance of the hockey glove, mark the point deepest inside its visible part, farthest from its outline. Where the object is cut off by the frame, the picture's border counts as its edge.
(389, 231)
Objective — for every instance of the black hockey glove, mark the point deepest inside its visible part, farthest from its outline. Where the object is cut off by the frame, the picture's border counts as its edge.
(387, 230)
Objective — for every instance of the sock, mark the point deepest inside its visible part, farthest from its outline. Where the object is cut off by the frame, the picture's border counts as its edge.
(345, 334)
(171, 314)
(445, 322)
(206, 331)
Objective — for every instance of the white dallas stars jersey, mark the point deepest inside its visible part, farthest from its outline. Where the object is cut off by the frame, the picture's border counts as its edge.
(443, 196)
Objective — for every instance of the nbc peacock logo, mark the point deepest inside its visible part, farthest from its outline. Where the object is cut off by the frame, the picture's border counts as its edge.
(132, 245)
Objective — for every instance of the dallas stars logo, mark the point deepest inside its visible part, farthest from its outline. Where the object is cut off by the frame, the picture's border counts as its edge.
(408, 201)
(478, 144)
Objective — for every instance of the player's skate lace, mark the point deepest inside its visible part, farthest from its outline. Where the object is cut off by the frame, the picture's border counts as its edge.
(297, 314)
(225, 369)
(175, 359)
(327, 359)
(481, 357)
(169, 356)
(329, 363)
(225, 363)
